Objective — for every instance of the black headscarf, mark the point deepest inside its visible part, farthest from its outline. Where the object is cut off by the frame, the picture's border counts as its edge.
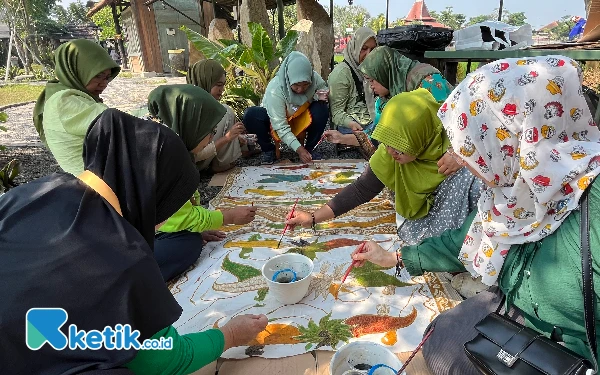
(62, 245)
(189, 110)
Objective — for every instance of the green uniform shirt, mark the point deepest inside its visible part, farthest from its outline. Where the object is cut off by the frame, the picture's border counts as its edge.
(543, 279)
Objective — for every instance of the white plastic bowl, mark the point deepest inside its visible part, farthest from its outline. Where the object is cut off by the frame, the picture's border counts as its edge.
(292, 292)
(363, 352)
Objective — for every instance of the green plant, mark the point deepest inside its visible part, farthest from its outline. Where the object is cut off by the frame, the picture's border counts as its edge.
(329, 332)
(11, 170)
(259, 62)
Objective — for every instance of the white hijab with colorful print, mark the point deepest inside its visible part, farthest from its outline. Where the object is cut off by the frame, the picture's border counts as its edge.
(525, 125)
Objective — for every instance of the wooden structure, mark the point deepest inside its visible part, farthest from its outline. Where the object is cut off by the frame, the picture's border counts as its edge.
(151, 27)
(420, 13)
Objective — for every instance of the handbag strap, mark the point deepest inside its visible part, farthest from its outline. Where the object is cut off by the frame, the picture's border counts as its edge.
(588, 278)
(100, 187)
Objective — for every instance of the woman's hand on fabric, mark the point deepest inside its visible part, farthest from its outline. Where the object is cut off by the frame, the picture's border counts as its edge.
(355, 126)
(213, 235)
(242, 329)
(239, 215)
(236, 130)
(304, 219)
(375, 254)
(448, 164)
(305, 156)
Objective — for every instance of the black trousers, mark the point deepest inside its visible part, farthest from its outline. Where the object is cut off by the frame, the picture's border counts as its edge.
(257, 121)
(176, 252)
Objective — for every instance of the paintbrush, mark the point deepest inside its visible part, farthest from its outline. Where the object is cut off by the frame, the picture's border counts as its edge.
(320, 141)
(286, 226)
(352, 265)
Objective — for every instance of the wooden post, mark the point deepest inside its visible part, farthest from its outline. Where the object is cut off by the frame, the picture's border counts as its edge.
(500, 10)
(280, 19)
(119, 36)
(387, 15)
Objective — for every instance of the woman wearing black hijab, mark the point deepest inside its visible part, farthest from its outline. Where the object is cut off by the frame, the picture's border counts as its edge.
(87, 247)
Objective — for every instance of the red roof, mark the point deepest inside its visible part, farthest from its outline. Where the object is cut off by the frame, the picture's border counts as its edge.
(419, 12)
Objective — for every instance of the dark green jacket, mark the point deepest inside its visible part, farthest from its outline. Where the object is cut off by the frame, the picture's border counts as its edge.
(543, 279)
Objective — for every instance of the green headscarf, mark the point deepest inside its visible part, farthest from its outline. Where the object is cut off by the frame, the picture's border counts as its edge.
(189, 110)
(294, 69)
(388, 67)
(409, 124)
(205, 74)
(352, 50)
(76, 63)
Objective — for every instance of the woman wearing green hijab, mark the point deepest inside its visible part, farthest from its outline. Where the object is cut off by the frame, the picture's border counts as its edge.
(291, 105)
(350, 98)
(391, 73)
(226, 146)
(412, 141)
(67, 106)
(193, 114)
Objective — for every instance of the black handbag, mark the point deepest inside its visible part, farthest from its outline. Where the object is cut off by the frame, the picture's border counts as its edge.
(503, 346)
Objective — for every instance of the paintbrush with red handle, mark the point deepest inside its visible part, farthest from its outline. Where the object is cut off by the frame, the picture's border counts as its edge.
(320, 141)
(286, 226)
(360, 250)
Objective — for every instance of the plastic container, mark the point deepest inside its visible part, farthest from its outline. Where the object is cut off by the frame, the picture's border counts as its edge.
(359, 356)
(292, 273)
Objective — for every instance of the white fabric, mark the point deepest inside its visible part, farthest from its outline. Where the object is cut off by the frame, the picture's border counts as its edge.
(525, 126)
(471, 37)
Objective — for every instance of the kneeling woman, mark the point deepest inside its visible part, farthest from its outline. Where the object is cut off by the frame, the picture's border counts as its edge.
(412, 141)
(291, 107)
(94, 259)
(193, 114)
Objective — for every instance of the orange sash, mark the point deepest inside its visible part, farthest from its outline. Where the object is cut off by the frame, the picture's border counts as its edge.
(100, 187)
(299, 121)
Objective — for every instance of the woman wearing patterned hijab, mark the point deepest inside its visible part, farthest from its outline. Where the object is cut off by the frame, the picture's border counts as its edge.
(524, 127)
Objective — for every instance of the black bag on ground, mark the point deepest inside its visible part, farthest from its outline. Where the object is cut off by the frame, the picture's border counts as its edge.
(415, 38)
(505, 347)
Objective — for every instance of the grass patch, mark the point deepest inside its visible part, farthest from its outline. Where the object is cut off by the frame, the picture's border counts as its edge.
(12, 94)
(125, 75)
(462, 70)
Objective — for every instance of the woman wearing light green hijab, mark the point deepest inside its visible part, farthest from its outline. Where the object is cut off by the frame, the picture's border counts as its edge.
(351, 98)
(291, 105)
(226, 146)
(412, 141)
(68, 105)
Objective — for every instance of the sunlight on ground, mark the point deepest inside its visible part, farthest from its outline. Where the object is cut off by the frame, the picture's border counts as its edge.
(19, 93)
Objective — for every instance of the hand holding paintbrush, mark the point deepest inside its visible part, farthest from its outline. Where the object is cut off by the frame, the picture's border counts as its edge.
(354, 264)
(287, 225)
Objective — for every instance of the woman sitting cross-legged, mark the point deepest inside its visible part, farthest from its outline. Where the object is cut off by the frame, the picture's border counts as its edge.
(291, 106)
(532, 139)
(193, 114)
(94, 260)
(68, 105)
(412, 140)
(225, 148)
